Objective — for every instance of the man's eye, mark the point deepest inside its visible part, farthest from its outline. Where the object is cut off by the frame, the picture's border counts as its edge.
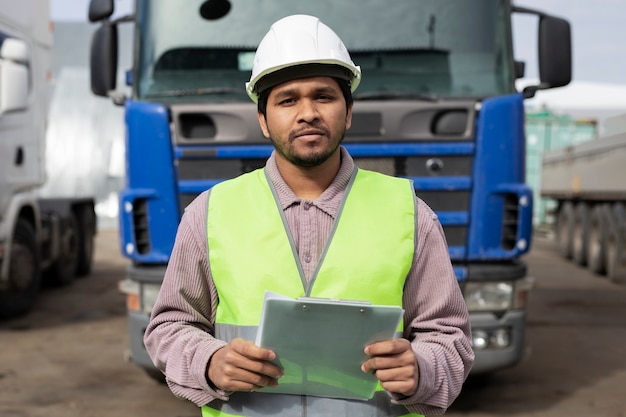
(286, 101)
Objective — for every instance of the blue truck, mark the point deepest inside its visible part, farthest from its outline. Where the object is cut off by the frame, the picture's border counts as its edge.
(437, 104)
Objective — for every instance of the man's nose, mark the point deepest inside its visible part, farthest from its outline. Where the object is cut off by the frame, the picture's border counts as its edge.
(308, 111)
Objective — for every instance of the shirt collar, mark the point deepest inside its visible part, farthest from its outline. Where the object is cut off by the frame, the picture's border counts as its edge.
(329, 201)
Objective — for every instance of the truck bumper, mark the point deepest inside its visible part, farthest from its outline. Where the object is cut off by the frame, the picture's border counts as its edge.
(487, 360)
(137, 323)
(141, 287)
(491, 359)
(143, 283)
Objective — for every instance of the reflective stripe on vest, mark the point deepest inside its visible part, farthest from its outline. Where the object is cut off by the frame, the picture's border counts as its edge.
(271, 405)
(367, 257)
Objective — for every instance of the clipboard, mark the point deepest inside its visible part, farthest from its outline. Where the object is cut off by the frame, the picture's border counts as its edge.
(319, 344)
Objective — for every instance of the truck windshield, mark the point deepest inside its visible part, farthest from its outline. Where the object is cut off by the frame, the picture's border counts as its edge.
(416, 49)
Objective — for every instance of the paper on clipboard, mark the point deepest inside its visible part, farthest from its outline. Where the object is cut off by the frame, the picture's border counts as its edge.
(319, 343)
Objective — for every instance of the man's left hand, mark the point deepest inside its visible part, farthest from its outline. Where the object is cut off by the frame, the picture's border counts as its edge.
(393, 363)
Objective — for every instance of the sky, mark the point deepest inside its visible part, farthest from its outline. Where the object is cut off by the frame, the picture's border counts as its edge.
(598, 37)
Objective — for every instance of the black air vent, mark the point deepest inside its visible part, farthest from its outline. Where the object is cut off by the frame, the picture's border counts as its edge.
(140, 220)
(197, 126)
(366, 124)
(510, 216)
(451, 122)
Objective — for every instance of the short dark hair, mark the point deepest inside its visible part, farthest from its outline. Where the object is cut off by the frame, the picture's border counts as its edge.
(344, 85)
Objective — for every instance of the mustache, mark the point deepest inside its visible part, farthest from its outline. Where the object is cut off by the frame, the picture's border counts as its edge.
(309, 130)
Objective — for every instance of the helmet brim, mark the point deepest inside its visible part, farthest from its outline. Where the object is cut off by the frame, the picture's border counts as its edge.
(274, 76)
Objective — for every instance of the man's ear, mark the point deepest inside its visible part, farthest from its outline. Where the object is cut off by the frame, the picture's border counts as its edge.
(349, 117)
(263, 124)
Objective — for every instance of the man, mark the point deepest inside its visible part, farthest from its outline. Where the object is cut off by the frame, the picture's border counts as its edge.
(309, 223)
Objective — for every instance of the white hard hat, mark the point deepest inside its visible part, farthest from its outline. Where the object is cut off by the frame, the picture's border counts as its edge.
(300, 46)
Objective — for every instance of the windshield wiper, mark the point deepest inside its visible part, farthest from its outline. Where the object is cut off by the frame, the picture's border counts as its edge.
(196, 92)
(393, 95)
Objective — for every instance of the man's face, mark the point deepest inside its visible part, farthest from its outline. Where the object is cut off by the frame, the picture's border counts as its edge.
(306, 120)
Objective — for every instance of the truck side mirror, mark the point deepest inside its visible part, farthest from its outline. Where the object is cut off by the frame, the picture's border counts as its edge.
(14, 85)
(520, 69)
(103, 59)
(555, 52)
(100, 10)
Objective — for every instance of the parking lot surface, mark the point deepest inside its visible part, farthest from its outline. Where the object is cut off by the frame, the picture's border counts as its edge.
(67, 357)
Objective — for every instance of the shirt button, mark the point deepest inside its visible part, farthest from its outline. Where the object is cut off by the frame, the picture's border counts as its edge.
(307, 205)
(307, 258)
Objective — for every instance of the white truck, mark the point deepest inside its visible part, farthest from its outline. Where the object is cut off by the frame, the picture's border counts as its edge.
(588, 182)
(40, 238)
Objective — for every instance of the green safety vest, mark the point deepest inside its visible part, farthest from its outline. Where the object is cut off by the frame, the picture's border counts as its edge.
(251, 250)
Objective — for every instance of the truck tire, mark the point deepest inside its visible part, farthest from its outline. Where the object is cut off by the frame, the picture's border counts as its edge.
(580, 234)
(616, 245)
(564, 229)
(86, 232)
(63, 269)
(596, 247)
(24, 272)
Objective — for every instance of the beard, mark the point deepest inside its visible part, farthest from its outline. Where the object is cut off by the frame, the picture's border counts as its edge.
(310, 157)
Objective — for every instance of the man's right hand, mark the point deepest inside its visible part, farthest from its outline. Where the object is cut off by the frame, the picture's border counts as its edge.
(243, 366)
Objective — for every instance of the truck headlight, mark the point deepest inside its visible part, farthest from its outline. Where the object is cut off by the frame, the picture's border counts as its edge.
(140, 297)
(498, 295)
(489, 296)
(499, 338)
(150, 292)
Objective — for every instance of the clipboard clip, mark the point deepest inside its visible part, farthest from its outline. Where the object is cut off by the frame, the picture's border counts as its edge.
(322, 300)
(334, 300)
